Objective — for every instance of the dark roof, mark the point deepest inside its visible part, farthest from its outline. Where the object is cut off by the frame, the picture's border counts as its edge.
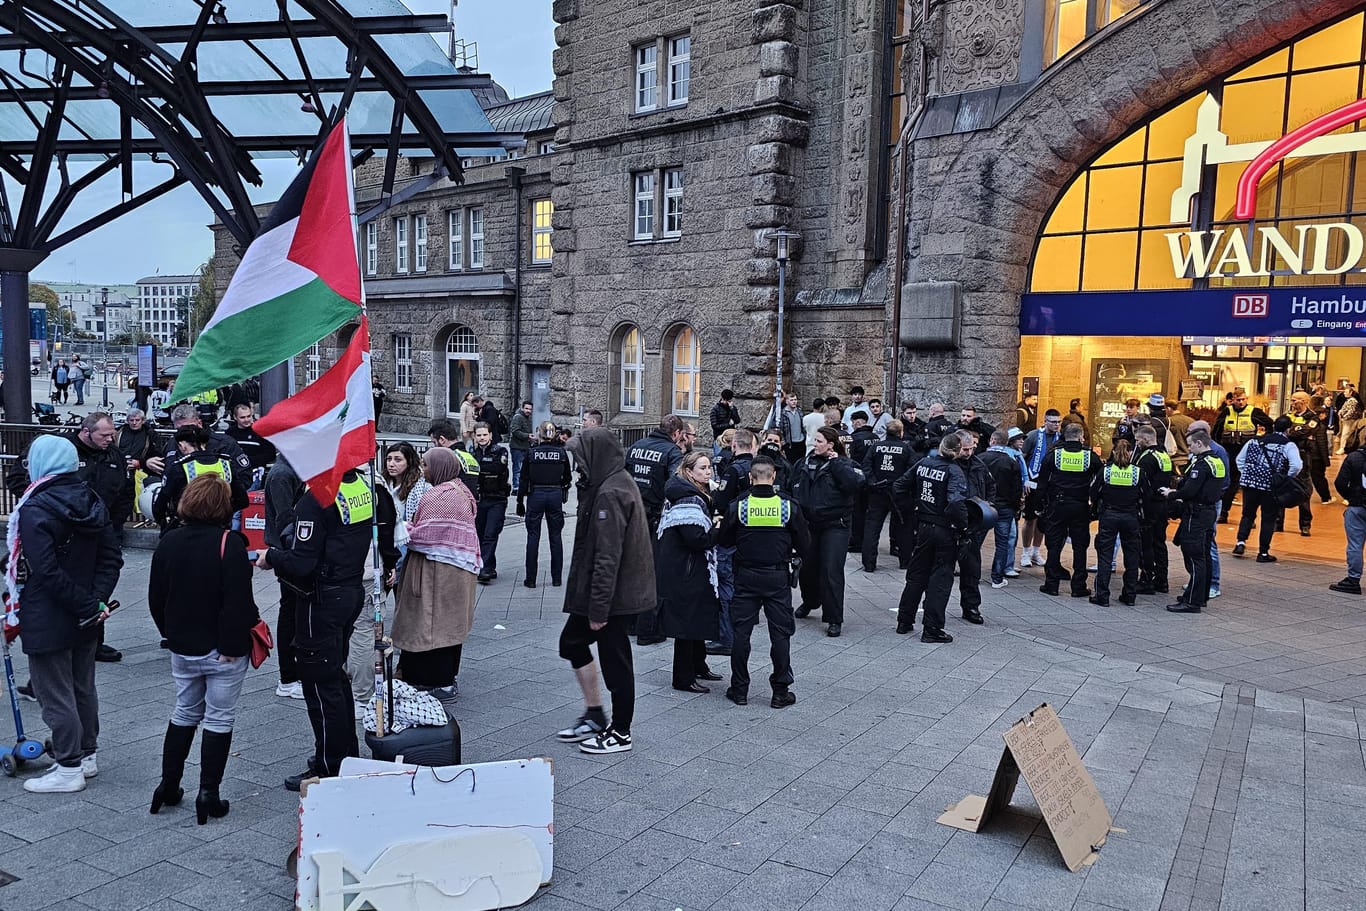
(528, 114)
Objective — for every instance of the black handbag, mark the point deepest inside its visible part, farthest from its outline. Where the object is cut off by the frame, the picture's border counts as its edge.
(1285, 489)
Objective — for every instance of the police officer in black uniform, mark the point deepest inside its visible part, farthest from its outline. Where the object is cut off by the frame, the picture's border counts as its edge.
(767, 530)
(1119, 492)
(935, 490)
(543, 491)
(1200, 491)
(1156, 465)
(772, 449)
(495, 470)
(652, 460)
(1065, 488)
(883, 463)
(825, 485)
(220, 444)
(981, 486)
(861, 439)
(325, 563)
(195, 459)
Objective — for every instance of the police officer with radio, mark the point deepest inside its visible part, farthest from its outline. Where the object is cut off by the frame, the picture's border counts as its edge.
(495, 470)
(1119, 491)
(543, 492)
(1157, 469)
(884, 462)
(936, 490)
(1065, 487)
(981, 486)
(862, 436)
(767, 530)
(195, 459)
(1236, 423)
(652, 460)
(1200, 491)
(325, 563)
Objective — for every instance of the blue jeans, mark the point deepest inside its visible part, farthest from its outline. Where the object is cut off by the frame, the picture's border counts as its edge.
(1014, 536)
(1005, 534)
(207, 690)
(1354, 518)
(518, 458)
(725, 584)
(1214, 561)
(80, 391)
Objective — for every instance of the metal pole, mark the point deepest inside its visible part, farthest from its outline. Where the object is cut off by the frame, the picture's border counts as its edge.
(14, 318)
(104, 366)
(778, 382)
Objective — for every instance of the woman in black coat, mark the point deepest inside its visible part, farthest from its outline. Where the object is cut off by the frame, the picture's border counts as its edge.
(201, 600)
(685, 565)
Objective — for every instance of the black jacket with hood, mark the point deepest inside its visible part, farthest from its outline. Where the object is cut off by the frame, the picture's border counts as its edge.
(612, 568)
(72, 562)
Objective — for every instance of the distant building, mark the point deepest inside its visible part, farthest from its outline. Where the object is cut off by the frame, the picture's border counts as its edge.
(159, 305)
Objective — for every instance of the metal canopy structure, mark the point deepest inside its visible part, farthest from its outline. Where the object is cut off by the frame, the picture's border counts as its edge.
(89, 87)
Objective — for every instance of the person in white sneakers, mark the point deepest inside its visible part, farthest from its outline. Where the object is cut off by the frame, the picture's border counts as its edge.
(1037, 444)
(611, 582)
(61, 599)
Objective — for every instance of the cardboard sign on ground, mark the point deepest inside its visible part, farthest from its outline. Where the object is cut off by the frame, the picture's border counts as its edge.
(1038, 748)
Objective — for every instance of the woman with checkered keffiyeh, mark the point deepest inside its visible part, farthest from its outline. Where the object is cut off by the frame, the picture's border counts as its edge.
(435, 604)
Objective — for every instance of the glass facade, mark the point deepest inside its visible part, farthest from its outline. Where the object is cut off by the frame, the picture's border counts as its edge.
(1114, 227)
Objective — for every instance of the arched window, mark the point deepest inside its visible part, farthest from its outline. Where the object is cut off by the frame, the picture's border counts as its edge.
(685, 371)
(631, 353)
(462, 367)
(1158, 210)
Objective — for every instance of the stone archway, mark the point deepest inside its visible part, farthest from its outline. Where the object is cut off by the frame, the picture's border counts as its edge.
(978, 200)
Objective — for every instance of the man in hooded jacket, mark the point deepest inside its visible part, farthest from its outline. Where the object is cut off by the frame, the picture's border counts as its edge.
(611, 581)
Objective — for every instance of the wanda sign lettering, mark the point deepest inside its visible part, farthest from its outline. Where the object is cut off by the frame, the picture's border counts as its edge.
(1333, 248)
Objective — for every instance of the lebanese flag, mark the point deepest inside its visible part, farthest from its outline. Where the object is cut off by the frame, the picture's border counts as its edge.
(298, 280)
(328, 427)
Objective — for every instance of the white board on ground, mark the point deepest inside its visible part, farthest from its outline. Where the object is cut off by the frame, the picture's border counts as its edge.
(410, 838)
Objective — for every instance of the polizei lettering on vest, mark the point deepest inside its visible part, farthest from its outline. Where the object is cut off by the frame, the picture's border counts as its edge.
(1326, 249)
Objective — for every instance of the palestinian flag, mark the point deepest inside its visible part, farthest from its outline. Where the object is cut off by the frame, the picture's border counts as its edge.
(328, 428)
(298, 281)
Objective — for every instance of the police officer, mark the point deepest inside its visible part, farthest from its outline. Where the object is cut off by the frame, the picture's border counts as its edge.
(545, 483)
(325, 562)
(495, 470)
(219, 444)
(936, 491)
(1157, 469)
(861, 439)
(882, 465)
(766, 529)
(652, 460)
(445, 434)
(195, 459)
(1065, 487)
(981, 486)
(1200, 492)
(1310, 436)
(825, 485)
(1119, 492)
(732, 484)
(772, 449)
(1236, 423)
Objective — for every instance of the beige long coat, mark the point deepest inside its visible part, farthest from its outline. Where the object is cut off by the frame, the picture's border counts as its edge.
(435, 605)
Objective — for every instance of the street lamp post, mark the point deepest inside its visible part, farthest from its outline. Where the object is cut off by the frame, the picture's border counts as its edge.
(104, 354)
(782, 236)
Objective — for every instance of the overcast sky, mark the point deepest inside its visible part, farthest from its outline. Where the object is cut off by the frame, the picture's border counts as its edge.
(515, 40)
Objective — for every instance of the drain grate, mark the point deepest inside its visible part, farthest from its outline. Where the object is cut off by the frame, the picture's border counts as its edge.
(7, 878)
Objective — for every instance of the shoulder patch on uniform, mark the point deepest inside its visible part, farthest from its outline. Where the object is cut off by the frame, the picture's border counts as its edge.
(303, 531)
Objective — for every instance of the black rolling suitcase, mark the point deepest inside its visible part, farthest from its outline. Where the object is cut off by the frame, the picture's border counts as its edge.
(430, 745)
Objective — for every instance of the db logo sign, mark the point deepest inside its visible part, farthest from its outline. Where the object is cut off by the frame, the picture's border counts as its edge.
(1251, 305)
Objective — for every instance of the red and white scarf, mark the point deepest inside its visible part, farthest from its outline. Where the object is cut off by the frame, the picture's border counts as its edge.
(15, 548)
(443, 527)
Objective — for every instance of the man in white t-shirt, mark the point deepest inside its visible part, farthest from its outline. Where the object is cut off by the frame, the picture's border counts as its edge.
(814, 421)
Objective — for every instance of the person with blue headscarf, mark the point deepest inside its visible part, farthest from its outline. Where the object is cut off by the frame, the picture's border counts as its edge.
(64, 562)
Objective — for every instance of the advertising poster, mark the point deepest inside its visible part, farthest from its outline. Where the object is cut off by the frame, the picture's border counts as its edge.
(1112, 381)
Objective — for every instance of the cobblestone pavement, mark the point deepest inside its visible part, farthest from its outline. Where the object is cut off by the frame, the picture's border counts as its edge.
(1228, 748)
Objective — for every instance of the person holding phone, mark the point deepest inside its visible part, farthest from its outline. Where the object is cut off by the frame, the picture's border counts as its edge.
(64, 562)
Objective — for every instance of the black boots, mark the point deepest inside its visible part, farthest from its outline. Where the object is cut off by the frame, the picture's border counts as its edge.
(173, 753)
(213, 759)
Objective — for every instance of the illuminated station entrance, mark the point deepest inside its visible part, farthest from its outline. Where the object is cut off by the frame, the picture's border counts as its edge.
(1219, 244)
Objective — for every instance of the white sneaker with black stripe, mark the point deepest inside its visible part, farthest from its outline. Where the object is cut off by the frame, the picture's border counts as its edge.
(583, 729)
(609, 741)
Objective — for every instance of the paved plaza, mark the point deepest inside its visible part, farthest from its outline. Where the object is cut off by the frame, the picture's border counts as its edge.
(1228, 747)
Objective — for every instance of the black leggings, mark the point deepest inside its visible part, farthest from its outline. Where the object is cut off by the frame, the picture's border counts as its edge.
(614, 655)
(438, 667)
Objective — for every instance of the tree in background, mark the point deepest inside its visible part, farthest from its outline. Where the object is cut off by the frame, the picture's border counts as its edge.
(205, 301)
